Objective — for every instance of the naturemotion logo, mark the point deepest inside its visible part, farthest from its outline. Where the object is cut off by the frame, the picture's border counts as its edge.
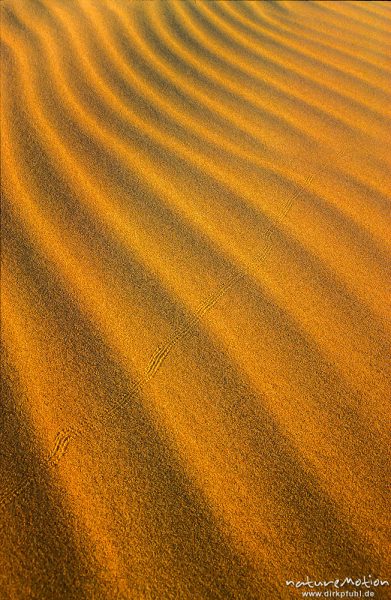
(360, 587)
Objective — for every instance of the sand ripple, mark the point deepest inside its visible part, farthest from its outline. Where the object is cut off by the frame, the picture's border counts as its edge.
(195, 297)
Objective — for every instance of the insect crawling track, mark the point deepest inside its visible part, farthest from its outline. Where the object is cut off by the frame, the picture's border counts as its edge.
(163, 351)
(65, 436)
(61, 443)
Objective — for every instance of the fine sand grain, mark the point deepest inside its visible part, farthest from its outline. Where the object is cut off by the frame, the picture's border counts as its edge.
(195, 298)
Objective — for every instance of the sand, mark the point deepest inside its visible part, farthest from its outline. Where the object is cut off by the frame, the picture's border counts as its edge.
(195, 298)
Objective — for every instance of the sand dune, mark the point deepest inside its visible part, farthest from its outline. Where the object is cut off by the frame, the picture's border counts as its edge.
(195, 297)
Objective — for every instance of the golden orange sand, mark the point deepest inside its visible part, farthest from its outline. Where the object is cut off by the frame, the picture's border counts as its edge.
(195, 297)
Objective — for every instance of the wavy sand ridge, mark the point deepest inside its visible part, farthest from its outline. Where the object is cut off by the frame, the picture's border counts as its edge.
(195, 309)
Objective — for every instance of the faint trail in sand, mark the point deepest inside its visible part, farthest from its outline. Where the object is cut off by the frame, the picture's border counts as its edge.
(163, 351)
(65, 436)
(60, 447)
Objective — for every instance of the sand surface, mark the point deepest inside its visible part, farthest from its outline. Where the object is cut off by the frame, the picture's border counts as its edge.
(195, 297)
